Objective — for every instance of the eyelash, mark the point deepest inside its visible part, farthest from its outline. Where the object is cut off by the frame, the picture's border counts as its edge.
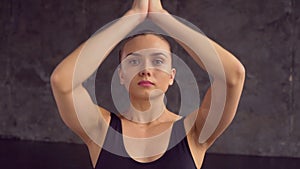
(158, 61)
(133, 60)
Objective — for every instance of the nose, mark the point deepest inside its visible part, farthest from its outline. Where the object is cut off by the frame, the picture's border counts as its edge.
(145, 68)
(145, 72)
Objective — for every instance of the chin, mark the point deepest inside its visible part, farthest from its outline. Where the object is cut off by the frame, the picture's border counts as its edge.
(148, 94)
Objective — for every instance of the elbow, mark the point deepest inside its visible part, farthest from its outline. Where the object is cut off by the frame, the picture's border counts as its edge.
(59, 84)
(238, 76)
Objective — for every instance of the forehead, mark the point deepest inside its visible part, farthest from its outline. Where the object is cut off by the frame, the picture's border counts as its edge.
(142, 42)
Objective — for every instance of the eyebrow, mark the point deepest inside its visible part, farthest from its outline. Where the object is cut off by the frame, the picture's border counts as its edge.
(159, 53)
(153, 54)
(133, 53)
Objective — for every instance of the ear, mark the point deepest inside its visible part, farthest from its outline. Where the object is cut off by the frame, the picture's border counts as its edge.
(121, 76)
(172, 76)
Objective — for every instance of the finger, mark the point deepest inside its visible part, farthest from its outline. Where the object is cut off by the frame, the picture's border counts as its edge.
(140, 4)
(155, 5)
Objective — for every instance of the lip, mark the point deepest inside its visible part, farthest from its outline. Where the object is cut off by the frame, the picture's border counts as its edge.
(145, 83)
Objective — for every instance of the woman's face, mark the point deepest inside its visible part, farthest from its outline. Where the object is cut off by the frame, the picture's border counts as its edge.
(146, 66)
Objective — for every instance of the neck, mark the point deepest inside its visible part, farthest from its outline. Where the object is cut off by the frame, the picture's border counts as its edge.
(145, 111)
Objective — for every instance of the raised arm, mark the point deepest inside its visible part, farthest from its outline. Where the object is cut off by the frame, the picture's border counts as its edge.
(73, 101)
(218, 107)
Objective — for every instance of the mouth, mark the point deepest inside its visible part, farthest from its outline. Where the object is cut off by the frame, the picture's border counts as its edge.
(145, 83)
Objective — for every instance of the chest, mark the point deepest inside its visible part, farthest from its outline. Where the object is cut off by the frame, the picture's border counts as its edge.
(146, 143)
(134, 130)
(148, 147)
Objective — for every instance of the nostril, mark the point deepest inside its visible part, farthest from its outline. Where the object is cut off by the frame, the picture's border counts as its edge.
(145, 73)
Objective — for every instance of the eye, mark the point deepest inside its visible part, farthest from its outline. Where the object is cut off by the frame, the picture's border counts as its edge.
(158, 61)
(133, 62)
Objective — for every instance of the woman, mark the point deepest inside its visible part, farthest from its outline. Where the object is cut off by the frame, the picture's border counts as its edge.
(147, 126)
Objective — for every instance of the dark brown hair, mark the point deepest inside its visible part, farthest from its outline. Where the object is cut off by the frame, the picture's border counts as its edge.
(124, 41)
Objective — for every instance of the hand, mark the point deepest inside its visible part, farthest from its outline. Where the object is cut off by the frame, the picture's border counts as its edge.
(139, 7)
(155, 6)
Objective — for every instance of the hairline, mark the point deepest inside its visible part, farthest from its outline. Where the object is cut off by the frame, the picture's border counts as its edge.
(126, 40)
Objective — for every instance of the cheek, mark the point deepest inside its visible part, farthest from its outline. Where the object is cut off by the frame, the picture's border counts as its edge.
(128, 74)
(164, 81)
(130, 80)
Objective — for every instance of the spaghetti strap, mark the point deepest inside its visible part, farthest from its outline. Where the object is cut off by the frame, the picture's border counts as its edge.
(114, 155)
(178, 133)
(114, 138)
(115, 122)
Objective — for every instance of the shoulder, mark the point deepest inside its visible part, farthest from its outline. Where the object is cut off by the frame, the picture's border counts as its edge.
(104, 113)
(173, 117)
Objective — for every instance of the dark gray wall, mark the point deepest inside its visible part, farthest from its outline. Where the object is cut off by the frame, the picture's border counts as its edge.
(263, 34)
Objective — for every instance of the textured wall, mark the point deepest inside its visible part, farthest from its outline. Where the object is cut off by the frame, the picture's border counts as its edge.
(263, 34)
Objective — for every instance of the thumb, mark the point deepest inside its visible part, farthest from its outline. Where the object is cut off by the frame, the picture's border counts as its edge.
(140, 5)
(155, 6)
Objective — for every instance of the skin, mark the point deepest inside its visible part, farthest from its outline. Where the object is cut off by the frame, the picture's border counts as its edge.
(79, 112)
(161, 77)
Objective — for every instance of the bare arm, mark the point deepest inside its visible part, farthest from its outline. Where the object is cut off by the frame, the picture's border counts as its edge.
(211, 120)
(73, 101)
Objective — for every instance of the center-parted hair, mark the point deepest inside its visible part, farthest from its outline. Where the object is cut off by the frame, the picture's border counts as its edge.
(126, 40)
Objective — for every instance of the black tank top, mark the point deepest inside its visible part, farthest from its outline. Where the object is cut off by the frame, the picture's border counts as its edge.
(178, 157)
